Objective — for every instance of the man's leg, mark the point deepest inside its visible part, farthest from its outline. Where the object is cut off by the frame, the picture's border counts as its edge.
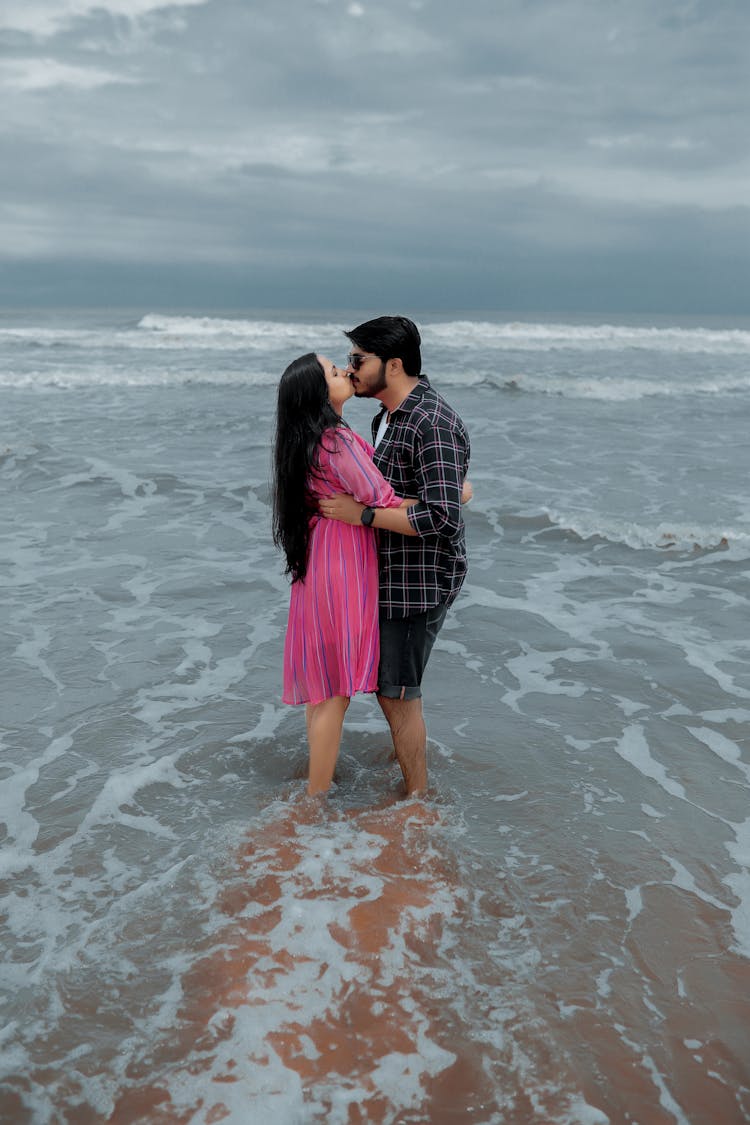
(405, 647)
(409, 735)
(325, 722)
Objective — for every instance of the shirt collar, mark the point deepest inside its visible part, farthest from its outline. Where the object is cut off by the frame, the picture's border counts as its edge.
(412, 399)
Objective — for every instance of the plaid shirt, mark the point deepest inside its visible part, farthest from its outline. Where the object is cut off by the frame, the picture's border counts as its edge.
(424, 454)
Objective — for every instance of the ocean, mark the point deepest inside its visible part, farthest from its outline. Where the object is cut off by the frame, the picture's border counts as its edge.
(560, 932)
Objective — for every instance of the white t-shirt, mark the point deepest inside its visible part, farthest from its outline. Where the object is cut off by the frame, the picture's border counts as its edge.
(381, 429)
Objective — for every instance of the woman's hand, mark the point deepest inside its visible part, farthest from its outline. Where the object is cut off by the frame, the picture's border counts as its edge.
(467, 492)
(341, 507)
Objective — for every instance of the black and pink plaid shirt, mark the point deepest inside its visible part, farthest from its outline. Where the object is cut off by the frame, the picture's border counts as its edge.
(424, 453)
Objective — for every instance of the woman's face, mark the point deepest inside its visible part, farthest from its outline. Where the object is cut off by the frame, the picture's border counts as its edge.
(339, 384)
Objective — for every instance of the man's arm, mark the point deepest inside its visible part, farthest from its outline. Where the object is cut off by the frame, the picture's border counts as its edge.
(441, 457)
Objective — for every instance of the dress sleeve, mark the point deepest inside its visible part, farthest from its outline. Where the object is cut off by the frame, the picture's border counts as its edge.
(350, 470)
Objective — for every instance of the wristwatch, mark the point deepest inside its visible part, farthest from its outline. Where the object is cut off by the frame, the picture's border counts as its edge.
(367, 516)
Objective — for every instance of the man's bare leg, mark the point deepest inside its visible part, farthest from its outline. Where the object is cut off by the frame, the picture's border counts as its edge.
(325, 722)
(409, 735)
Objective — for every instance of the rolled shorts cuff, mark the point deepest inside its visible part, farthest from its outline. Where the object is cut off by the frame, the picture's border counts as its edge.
(395, 691)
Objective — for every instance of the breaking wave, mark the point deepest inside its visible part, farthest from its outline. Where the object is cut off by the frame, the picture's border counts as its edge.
(609, 389)
(674, 538)
(157, 330)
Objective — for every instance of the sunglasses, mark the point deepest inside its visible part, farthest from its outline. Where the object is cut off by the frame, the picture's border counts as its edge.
(355, 360)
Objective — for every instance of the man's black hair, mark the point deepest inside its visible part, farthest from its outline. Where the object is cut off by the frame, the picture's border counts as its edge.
(390, 337)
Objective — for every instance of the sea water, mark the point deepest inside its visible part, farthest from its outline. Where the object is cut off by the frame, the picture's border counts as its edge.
(561, 931)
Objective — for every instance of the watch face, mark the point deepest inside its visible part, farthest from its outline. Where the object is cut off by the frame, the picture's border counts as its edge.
(368, 515)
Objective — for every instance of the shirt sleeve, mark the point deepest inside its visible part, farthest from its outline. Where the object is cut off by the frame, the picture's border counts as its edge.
(351, 471)
(440, 461)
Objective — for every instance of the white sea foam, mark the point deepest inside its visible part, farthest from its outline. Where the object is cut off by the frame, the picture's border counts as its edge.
(213, 680)
(685, 880)
(525, 336)
(221, 332)
(621, 389)
(135, 375)
(463, 334)
(31, 652)
(722, 746)
(674, 537)
(176, 333)
(22, 826)
(161, 350)
(739, 883)
(183, 372)
(321, 872)
(158, 330)
(634, 748)
(665, 1096)
(580, 1112)
(727, 715)
(270, 719)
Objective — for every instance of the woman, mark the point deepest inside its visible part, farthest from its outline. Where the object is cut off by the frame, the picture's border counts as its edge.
(332, 647)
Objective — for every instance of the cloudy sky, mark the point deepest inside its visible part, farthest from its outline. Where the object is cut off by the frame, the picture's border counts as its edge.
(534, 155)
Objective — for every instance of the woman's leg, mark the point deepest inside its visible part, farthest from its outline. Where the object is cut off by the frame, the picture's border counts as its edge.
(325, 722)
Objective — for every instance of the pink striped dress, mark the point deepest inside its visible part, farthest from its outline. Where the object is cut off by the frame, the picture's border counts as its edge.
(332, 644)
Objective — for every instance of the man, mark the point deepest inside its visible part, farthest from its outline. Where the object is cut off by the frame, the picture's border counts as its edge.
(422, 449)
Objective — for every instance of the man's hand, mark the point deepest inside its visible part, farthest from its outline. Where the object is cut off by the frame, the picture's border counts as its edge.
(344, 508)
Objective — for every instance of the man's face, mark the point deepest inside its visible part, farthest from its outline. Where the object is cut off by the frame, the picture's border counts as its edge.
(367, 373)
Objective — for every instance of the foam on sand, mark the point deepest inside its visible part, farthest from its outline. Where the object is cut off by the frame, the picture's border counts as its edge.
(333, 988)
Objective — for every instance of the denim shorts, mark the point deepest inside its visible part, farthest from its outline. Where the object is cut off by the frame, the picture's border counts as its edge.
(405, 647)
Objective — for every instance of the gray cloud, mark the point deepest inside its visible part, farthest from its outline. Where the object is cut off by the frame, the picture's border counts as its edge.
(507, 153)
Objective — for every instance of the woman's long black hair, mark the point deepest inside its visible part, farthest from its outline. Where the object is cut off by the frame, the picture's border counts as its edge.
(303, 414)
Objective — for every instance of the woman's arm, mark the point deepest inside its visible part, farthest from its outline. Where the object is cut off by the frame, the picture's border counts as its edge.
(351, 469)
(348, 510)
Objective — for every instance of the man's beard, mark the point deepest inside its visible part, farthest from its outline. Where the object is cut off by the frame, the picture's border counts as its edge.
(374, 388)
